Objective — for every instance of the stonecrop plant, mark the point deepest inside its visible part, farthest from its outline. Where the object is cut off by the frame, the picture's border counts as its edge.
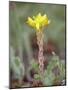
(38, 22)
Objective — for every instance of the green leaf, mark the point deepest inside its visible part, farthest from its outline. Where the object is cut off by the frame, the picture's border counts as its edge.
(34, 65)
(37, 77)
(49, 75)
(49, 78)
(17, 62)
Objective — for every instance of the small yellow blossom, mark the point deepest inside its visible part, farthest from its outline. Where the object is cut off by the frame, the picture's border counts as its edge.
(38, 22)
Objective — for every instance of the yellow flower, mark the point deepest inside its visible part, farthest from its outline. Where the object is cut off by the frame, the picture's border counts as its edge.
(38, 22)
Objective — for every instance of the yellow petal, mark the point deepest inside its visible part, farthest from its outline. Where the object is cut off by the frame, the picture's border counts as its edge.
(37, 26)
(30, 22)
(44, 16)
(49, 21)
(33, 17)
(39, 15)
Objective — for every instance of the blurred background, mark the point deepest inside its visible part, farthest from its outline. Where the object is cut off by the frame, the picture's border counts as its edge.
(22, 40)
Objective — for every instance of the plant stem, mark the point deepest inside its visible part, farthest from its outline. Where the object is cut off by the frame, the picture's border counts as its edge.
(40, 53)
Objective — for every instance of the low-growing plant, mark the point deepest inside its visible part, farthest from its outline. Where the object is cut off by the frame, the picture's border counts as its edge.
(16, 66)
(54, 74)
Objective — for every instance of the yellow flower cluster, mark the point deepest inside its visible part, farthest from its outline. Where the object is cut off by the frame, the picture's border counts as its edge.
(38, 22)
